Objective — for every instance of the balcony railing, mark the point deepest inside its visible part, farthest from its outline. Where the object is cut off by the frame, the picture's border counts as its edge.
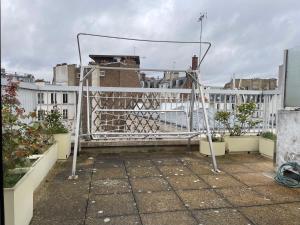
(148, 113)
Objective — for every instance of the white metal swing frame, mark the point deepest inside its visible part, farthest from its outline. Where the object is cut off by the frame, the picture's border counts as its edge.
(194, 75)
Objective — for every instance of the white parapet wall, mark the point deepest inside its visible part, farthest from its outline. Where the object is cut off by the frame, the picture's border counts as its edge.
(288, 137)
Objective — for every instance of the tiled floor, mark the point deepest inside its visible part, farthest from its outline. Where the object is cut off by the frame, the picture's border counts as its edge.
(159, 189)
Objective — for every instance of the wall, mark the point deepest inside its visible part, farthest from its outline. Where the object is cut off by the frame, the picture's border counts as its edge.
(61, 74)
(288, 137)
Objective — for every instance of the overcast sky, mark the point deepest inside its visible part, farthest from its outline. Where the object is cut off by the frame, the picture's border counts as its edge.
(248, 37)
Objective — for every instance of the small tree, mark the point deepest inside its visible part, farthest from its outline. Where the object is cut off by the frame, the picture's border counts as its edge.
(19, 139)
(12, 128)
(239, 123)
(54, 124)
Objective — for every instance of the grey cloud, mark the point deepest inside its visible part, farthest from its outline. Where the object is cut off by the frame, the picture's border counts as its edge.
(248, 37)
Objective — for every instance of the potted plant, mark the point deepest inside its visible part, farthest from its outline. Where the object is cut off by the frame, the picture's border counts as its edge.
(19, 142)
(60, 132)
(267, 143)
(218, 145)
(239, 123)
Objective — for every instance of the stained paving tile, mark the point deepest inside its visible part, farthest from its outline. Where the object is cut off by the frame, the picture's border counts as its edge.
(167, 162)
(221, 216)
(149, 184)
(279, 193)
(167, 218)
(41, 221)
(111, 205)
(253, 179)
(260, 166)
(67, 189)
(63, 174)
(58, 208)
(247, 158)
(174, 170)
(219, 181)
(110, 186)
(186, 182)
(202, 199)
(293, 208)
(240, 196)
(200, 168)
(103, 163)
(117, 220)
(270, 215)
(235, 168)
(139, 163)
(143, 171)
(223, 159)
(109, 172)
(158, 202)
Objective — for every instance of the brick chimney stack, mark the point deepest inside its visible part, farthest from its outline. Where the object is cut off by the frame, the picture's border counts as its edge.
(194, 62)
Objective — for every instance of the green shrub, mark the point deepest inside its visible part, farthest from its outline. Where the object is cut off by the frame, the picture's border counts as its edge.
(269, 135)
(54, 124)
(239, 122)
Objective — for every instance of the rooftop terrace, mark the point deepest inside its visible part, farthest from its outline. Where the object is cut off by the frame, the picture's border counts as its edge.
(165, 188)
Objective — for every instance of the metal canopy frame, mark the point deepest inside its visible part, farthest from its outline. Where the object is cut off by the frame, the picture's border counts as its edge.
(194, 75)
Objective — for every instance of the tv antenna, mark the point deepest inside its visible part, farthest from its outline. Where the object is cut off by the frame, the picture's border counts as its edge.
(200, 19)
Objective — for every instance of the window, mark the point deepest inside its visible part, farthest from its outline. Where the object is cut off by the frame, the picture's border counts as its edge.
(40, 98)
(65, 98)
(65, 114)
(102, 73)
(41, 114)
(53, 98)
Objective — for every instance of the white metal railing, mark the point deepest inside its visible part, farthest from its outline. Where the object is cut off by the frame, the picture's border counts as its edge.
(118, 113)
(126, 113)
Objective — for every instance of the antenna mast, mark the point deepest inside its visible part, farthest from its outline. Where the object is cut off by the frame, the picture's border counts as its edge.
(200, 19)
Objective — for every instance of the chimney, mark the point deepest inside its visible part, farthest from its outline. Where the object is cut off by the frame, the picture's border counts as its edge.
(194, 62)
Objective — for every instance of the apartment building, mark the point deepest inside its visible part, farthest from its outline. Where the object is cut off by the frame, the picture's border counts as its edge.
(252, 84)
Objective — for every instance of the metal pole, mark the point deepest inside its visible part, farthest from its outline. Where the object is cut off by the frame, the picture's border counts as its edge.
(212, 152)
(78, 116)
(192, 100)
(88, 106)
(77, 128)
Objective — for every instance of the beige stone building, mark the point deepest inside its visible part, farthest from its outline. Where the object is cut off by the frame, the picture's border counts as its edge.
(252, 84)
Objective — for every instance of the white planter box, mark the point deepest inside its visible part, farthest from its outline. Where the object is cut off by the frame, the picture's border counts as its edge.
(43, 165)
(242, 143)
(266, 147)
(18, 201)
(219, 147)
(64, 145)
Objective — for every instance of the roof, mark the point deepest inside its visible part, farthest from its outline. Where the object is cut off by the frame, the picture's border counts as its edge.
(113, 57)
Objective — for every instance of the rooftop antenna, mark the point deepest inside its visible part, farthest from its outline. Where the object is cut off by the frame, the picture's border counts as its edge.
(233, 82)
(200, 19)
(134, 50)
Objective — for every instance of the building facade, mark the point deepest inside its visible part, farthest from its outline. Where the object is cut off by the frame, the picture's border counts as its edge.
(252, 84)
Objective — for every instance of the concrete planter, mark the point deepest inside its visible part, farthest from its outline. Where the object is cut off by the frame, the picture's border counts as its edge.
(64, 145)
(219, 147)
(43, 165)
(18, 200)
(266, 147)
(242, 143)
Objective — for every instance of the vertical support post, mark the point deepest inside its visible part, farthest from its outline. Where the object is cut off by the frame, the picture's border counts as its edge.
(192, 100)
(212, 152)
(88, 107)
(77, 128)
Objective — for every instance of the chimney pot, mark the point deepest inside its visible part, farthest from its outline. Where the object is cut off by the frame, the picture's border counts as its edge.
(194, 62)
